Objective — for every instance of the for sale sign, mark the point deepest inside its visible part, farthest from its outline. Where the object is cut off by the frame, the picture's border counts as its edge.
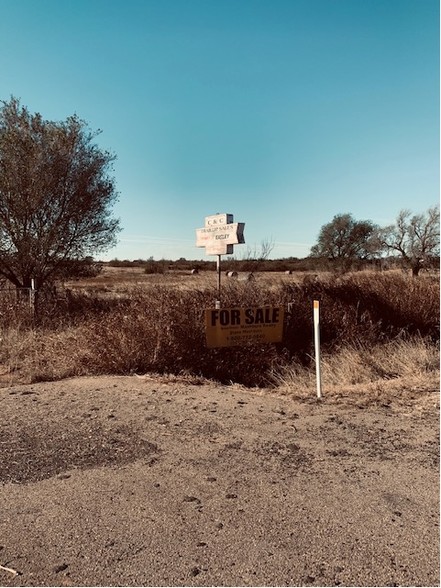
(226, 327)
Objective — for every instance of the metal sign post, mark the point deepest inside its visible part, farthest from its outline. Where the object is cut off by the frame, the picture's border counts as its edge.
(218, 268)
(218, 236)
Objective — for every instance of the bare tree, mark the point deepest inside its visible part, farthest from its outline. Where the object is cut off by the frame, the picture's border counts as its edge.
(415, 238)
(56, 196)
(253, 258)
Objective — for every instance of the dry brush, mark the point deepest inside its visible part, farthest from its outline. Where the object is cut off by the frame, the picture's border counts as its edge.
(366, 315)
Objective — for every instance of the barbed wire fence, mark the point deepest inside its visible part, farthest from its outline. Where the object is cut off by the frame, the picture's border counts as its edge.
(16, 302)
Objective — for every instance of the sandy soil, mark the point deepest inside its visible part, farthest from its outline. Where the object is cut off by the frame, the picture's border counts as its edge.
(148, 482)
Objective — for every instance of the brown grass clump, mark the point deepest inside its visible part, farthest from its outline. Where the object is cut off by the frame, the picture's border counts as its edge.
(415, 360)
(371, 320)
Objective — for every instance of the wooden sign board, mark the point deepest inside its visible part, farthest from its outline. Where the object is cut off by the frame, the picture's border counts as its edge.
(227, 327)
(220, 234)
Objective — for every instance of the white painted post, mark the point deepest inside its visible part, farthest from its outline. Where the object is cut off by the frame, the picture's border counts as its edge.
(317, 347)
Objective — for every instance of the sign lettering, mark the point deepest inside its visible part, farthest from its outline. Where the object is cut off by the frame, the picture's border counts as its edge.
(227, 327)
(219, 234)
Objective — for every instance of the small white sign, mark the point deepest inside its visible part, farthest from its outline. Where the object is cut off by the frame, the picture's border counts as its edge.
(218, 219)
(220, 234)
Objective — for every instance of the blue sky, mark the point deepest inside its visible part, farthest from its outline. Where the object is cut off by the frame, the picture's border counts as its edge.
(281, 112)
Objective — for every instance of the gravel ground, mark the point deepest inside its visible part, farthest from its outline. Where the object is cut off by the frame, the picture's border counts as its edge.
(127, 481)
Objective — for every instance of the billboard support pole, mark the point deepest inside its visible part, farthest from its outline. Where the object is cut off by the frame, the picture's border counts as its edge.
(218, 268)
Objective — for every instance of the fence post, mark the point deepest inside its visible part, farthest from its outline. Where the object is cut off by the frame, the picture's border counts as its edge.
(32, 296)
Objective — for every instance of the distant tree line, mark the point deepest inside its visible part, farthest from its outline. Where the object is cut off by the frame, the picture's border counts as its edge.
(288, 264)
(344, 244)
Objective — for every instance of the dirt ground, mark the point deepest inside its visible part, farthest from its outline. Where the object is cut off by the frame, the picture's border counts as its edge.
(128, 481)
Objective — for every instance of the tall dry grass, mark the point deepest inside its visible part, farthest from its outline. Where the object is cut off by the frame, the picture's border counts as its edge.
(414, 360)
(366, 318)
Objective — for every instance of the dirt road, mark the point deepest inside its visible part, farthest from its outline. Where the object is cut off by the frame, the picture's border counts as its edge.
(129, 481)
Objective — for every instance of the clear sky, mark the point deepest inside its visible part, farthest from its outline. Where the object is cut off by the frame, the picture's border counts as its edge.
(281, 112)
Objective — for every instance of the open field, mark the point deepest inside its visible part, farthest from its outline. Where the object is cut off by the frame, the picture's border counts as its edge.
(118, 279)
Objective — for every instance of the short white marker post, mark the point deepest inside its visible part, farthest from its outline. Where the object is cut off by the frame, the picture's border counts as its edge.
(317, 347)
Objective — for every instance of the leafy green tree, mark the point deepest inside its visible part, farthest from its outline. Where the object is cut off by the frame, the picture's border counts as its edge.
(345, 240)
(56, 196)
(416, 238)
